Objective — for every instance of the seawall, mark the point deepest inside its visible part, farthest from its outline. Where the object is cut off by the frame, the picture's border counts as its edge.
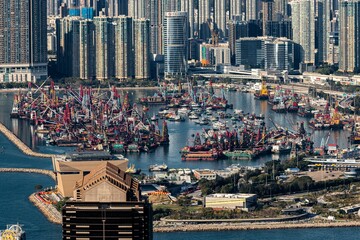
(30, 170)
(22, 146)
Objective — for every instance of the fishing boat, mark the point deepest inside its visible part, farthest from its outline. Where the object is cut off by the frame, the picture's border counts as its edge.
(263, 93)
(210, 155)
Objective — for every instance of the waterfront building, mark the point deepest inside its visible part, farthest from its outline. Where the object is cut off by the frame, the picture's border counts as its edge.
(303, 26)
(204, 19)
(204, 174)
(175, 44)
(349, 52)
(250, 52)
(104, 49)
(109, 220)
(23, 42)
(267, 53)
(231, 201)
(68, 54)
(215, 55)
(142, 48)
(113, 200)
(69, 171)
(188, 6)
(124, 68)
(220, 18)
(87, 49)
(279, 54)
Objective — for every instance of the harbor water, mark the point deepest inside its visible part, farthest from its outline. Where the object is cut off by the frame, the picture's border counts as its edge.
(15, 188)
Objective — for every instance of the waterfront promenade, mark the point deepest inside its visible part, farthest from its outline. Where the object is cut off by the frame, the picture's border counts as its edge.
(50, 212)
(30, 170)
(22, 146)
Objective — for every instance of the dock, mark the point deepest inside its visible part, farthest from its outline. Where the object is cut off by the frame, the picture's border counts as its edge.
(22, 146)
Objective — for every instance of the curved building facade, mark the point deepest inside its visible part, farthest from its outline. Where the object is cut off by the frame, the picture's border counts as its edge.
(175, 44)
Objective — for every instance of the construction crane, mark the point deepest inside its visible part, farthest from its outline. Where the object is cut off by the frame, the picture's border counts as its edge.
(214, 34)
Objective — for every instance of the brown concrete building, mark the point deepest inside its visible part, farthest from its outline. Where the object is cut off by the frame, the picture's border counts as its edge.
(68, 173)
(106, 205)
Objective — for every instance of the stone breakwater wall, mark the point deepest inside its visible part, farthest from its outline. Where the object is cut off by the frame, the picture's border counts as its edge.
(22, 146)
(30, 170)
(50, 212)
(253, 226)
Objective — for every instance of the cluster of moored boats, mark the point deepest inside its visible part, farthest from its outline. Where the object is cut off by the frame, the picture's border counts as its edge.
(89, 119)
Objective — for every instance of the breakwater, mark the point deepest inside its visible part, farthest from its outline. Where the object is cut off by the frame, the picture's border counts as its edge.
(30, 170)
(22, 146)
(254, 226)
(50, 212)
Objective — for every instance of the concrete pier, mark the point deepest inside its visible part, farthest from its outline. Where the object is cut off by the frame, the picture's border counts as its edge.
(30, 170)
(22, 146)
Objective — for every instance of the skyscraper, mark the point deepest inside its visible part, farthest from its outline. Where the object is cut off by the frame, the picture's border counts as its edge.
(104, 47)
(188, 6)
(252, 9)
(236, 9)
(220, 17)
(267, 13)
(175, 44)
(204, 19)
(137, 8)
(23, 41)
(68, 54)
(349, 36)
(87, 49)
(156, 20)
(142, 48)
(123, 47)
(303, 26)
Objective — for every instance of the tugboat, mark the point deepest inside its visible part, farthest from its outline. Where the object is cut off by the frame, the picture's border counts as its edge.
(14, 232)
(133, 170)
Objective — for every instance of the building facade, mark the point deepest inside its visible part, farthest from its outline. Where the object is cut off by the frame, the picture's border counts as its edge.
(142, 48)
(87, 50)
(124, 68)
(220, 17)
(23, 42)
(204, 19)
(175, 44)
(349, 46)
(303, 26)
(104, 53)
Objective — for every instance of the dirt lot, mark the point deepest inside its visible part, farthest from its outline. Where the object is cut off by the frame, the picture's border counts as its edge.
(322, 175)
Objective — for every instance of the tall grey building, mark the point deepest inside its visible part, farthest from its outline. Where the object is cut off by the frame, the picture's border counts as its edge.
(252, 9)
(104, 52)
(303, 26)
(175, 44)
(87, 49)
(23, 41)
(53, 7)
(156, 22)
(220, 17)
(188, 6)
(124, 67)
(137, 8)
(349, 36)
(68, 54)
(236, 9)
(204, 19)
(142, 48)
(323, 29)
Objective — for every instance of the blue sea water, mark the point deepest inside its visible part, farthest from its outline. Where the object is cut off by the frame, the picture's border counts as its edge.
(15, 188)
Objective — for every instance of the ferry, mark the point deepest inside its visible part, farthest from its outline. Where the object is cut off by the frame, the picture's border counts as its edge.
(333, 160)
(13, 232)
